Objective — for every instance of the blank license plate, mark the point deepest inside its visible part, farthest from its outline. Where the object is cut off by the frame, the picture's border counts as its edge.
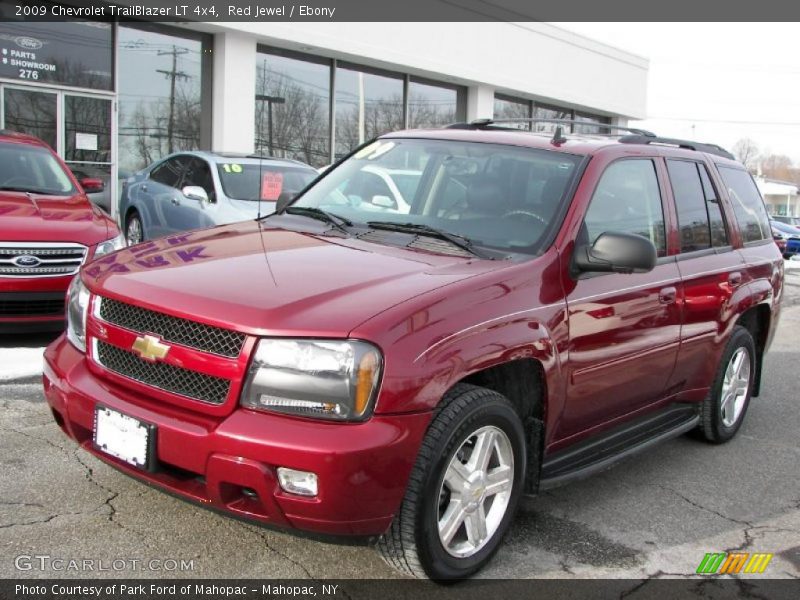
(123, 437)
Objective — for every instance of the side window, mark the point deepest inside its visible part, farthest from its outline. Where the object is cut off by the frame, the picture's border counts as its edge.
(169, 172)
(748, 207)
(690, 202)
(719, 233)
(198, 173)
(627, 199)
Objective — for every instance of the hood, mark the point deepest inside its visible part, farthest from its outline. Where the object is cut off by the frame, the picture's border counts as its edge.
(264, 280)
(41, 218)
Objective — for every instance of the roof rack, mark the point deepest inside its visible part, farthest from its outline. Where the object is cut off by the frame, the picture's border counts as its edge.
(484, 123)
(708, 148)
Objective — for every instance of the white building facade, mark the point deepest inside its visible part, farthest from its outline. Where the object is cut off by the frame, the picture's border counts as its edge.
(112, 98)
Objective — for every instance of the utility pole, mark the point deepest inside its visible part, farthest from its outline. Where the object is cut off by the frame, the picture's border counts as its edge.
(173, 76)
(270, 100)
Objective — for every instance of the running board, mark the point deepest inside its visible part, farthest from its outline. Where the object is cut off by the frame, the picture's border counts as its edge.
(599, 453)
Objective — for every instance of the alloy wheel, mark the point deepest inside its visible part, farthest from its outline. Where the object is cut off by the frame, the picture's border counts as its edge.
(735, 386)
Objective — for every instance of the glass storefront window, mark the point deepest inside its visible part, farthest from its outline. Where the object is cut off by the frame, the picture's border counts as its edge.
(32, 112)
(160, 99)
(550, 112)
(71, 52)
(297, 92)
(367, 105)
(512, 108)
(587, 118)
(431, 105)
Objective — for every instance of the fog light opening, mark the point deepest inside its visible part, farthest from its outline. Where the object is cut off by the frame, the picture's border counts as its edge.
(302, 483)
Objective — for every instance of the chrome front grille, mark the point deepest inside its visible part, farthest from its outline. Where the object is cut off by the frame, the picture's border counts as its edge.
(206, 338)
(40, 259)
(190, 384)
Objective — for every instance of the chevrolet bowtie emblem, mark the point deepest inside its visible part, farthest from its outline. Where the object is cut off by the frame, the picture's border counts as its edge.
(150, 348)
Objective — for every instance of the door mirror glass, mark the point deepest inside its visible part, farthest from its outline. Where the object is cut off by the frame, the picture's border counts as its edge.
(616, 252)
(195, 192)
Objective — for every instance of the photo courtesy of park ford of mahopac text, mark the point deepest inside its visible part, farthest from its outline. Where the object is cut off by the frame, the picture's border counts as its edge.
(435, 299)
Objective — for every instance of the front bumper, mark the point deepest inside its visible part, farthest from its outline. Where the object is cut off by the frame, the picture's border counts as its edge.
(229, 463)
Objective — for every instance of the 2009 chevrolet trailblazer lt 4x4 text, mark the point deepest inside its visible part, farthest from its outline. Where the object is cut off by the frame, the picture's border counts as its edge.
(539, 306)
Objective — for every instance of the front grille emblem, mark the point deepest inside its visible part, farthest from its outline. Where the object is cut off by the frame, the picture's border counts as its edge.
(27, 260)
(150, 348)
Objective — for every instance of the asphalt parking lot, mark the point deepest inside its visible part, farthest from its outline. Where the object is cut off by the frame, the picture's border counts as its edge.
(654, 515)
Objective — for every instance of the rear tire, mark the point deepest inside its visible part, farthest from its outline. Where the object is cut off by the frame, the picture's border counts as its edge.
(463, 490)
(725, 407)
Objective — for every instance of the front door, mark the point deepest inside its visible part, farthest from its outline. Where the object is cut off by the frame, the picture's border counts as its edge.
(624, 329)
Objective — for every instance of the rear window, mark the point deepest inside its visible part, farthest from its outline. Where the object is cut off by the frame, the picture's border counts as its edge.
(252, 181)
(748, 206)
(32, 169)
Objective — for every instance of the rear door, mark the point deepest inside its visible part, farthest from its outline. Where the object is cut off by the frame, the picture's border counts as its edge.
(711, 271)
(624, 329)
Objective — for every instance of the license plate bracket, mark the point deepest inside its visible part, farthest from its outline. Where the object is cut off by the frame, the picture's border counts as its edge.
(125, 438)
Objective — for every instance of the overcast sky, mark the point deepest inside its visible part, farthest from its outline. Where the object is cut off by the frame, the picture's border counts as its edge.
(716, 82)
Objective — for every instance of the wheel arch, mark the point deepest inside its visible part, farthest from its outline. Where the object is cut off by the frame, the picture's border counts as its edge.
(757, 320)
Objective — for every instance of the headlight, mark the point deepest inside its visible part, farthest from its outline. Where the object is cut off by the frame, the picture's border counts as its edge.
(117, 243)
(77, 305)
(314, 378)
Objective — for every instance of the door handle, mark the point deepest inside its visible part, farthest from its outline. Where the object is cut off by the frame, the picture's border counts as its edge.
(735, 278)
(144, 187)
(667, 295)
(176, 201)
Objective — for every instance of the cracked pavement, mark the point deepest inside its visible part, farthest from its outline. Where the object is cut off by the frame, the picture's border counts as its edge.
(652, 516)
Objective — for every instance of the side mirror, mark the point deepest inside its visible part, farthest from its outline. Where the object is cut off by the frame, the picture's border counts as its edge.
(195, 192)
(284, 200)
(616, 252)
(92, 185)
(383, 202)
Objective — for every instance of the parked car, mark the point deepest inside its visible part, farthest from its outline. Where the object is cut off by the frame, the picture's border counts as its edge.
(191, 190)
(548, 306)
(48, 229)
(793, 221)
(786, 237)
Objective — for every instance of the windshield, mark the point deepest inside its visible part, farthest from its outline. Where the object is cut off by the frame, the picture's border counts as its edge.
(498, 196)
(240, 181)
(32, 169)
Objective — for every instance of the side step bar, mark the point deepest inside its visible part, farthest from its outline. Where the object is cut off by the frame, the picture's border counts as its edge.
(599, 453)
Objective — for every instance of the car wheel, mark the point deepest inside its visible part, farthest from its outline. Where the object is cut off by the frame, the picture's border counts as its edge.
(134, 232)
(463, 490)
(726, 405)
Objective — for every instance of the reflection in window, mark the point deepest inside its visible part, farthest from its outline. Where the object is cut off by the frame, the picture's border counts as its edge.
(550, 112)
(511, 108)
(431, 105)
(31, 112)
(87, 124)
(297, 92)
(367, 105)
(160, 78)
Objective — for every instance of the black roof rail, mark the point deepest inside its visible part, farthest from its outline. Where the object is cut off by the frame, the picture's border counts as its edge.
(485, 123)
(688, 145)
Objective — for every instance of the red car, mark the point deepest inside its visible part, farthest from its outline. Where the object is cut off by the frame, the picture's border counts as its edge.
(543, 306)
(48, 229)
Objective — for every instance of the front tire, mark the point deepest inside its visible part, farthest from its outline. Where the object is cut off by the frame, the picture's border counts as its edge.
(134, 230)
(464, 489)
(725, 407)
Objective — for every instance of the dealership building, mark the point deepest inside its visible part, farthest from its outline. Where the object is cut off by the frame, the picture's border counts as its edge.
(114, 97)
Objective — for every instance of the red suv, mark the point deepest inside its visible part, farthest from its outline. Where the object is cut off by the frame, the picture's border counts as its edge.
(540, 306)
(48, 229)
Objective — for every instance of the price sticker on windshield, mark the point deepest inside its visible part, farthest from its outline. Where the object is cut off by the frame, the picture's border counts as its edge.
(271, 186)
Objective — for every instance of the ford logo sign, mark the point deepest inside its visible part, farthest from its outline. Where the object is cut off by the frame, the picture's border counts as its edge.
(26, 260)
(28, 43)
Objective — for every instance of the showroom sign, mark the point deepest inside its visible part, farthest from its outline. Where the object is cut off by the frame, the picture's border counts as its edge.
(69, 53)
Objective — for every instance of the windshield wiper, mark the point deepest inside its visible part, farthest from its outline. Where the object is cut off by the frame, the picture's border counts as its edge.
(421, 229)
(320, 215)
